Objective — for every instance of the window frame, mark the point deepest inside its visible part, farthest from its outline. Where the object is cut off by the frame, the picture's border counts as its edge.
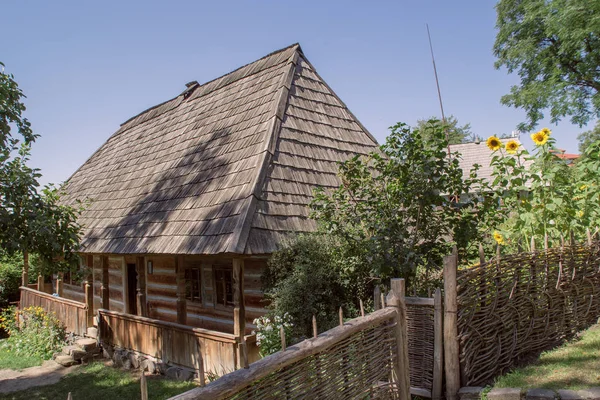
(198, 275)
(227, 271)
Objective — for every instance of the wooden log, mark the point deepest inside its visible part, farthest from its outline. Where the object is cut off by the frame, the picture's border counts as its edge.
(141, 286)
(438, 346)
(362, 307)
(181, 301)
(282, 336)
(402, 368)
(239, 306)
(25, 273)
(144, 386)
(377, 298)
(104, 289)
(451, 349)
(89, 302)
(59, 285)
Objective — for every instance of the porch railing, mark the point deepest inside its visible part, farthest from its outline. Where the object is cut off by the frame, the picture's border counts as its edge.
(73, 314)
(206, 351)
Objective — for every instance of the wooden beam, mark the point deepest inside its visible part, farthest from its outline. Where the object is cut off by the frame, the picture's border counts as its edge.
(104, 292)
(181, 301)
(438, 346)
(239, 306)
(451, 349)
(59, 284)
(396, 301)
(140, 267)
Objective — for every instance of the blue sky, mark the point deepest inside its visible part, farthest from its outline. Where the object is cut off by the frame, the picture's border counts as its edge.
(87, 67)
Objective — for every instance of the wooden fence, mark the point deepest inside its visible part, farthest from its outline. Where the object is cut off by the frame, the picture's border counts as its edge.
(205, 351)
(73, 314)
(513, 307)
(425, 345)
(366, 357)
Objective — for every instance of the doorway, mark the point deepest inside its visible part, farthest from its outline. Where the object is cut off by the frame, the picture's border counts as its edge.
(132, 289)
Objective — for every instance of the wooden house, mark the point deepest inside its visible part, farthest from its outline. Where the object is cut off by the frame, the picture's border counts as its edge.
(189, 198)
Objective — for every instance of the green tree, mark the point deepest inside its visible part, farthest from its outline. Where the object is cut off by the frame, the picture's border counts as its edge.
(554, 47)
(31, 218)
(456, 133)
(587, 138)
(401, 205)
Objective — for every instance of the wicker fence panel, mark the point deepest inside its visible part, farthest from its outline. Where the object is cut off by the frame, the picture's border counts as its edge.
(354, 361)
(513, 307)
(420, 322)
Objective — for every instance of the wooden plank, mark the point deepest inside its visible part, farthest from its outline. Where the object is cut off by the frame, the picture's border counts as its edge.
(396, 302)
(104, 288)
(451, 349)
(438, 346)
(239, 310)
(419, 301)
(181, 301)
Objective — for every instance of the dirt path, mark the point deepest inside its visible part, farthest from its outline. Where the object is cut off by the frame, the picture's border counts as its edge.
(48, 373)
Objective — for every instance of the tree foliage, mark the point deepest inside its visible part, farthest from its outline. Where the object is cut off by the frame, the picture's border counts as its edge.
(456, 133)
(31, 217)
(400, 205)
(554, 47)
(311, 275)
(587, 138)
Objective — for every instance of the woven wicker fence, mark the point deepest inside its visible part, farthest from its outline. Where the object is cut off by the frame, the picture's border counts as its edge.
(515, 306)
(365, 358)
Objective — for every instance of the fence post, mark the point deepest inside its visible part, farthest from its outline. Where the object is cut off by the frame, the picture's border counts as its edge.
(377, 298)
(438, 346)
(40, 283)
(144, 386)
(451, 350)
(89, 302)
(59, 285)
(396, 300)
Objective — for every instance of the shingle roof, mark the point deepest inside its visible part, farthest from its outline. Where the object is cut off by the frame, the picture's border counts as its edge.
(478, 153)
(225, 167)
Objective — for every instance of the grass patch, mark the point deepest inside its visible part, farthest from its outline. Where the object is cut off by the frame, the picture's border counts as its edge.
(9, 360)
(574, 365)
(97, 381)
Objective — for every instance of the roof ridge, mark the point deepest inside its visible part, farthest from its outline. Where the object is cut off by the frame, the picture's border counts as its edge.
(242, 229)
(195, 85)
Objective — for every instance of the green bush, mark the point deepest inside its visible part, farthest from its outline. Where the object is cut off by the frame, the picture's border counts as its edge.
(32, 332)
(10, 279)
(315, 275)
(268, 332)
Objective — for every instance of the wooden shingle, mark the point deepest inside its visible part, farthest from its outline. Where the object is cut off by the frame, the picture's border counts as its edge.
(225, 167)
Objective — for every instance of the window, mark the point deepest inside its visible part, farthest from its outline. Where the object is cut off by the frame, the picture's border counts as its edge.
(193, 289)
(224, 286)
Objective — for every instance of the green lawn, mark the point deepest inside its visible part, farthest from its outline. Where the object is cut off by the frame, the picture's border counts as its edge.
(574, 365)
(8, 360)
(99, 382)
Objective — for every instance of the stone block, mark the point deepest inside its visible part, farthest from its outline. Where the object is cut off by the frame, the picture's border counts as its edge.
(470, 393)
(68, 350)
(134, 360)
(569, 395)
(148, 365)
(185, 375)
(592, 393)
(172, 372)
(65, 361)
(540, 394)
(78, 354)
(92, 332)
(87, 344)
(505, 394)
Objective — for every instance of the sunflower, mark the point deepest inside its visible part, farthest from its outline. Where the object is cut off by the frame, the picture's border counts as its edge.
(540, 138)
(498, 237)
(512, 146)
(494, 143)
(583, 187)
(546, 131)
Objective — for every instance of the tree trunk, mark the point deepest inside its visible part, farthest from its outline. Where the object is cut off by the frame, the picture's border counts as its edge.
(25, 275)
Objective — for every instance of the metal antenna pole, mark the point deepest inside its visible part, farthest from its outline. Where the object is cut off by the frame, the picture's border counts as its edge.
(437, 82)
